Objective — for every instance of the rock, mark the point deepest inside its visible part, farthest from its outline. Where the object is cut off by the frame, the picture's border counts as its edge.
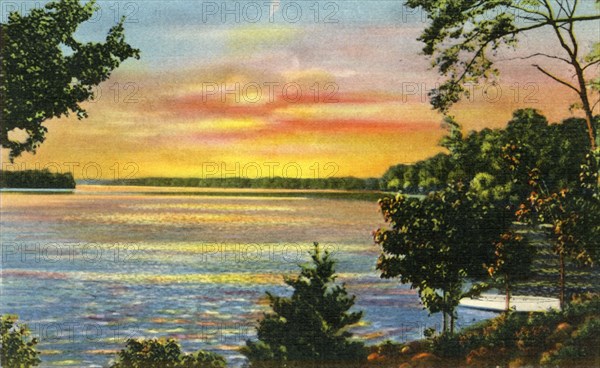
(376, 357)
(564, 327)
(561, 333)
(373, 357)
(406, 349)
(405, 365)
(425, 358)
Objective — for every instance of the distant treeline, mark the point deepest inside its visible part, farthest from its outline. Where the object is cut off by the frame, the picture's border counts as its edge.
(37, 179)
(500, 159)
(347, 183)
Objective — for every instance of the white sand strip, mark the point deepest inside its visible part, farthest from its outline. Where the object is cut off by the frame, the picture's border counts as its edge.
(519, 303)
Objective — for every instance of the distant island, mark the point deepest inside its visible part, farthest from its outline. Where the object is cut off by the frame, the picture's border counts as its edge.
(339, 183)
(36, 179)
(44, 179)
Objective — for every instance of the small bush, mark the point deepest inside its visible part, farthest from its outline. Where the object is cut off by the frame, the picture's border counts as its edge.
(501, 332)
(581, 347)
(483, 357)
(17, 350)
(565, 339)
(447, 346)
(390, 349)
(532, 339)
(160, 353)
(581, 307)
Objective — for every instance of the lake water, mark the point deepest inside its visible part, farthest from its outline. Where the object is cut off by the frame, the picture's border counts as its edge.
(89, 269)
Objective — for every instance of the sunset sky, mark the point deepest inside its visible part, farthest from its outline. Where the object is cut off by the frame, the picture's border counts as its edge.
(285, 88)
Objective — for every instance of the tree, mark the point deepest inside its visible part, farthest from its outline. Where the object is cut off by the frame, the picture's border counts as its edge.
(573, 216)
(39, 81)
(393, 178)
(411, 179)
(160, 353)
(310, 327)
(17, 350)
(569, 148)
(463, 40)
(434, 171)
(509, 154)
(436, 243)
(512, 262)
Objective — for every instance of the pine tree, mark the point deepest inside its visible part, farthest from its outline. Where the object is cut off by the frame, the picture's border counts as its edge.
(310, 327)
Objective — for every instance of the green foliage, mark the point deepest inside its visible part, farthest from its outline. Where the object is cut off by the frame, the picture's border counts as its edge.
(389, 349)
(36, 179)
(17, 350)
(160, 353)
(573, 219)
(567, 338)
(447, 346)
(485, 186)
(513, 258)
(572, 216)
(581, 345)
(430, 174)
(435, 243)
(310, 327)
(532, 337)
(39, 81)
(464, 36)
(496, 162)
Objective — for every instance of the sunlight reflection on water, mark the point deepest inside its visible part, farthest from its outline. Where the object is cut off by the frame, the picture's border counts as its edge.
(90, 269)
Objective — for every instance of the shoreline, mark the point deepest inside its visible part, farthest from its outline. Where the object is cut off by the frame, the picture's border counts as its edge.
(518, 303)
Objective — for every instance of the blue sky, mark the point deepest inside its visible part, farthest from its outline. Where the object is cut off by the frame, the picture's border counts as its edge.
(365, 54)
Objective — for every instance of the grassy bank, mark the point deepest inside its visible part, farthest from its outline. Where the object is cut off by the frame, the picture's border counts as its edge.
(568, 338)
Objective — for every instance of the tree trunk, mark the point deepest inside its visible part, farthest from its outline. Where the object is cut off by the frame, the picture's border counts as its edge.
(452, 322)
(579, 72)
(444, 297)
(507, 284)
(562, 281)
(585, 103)
(445, 322)
(589, 116)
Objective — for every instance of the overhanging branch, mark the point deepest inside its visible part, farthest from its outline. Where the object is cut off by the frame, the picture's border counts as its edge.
(538, 54)
(556, 78)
